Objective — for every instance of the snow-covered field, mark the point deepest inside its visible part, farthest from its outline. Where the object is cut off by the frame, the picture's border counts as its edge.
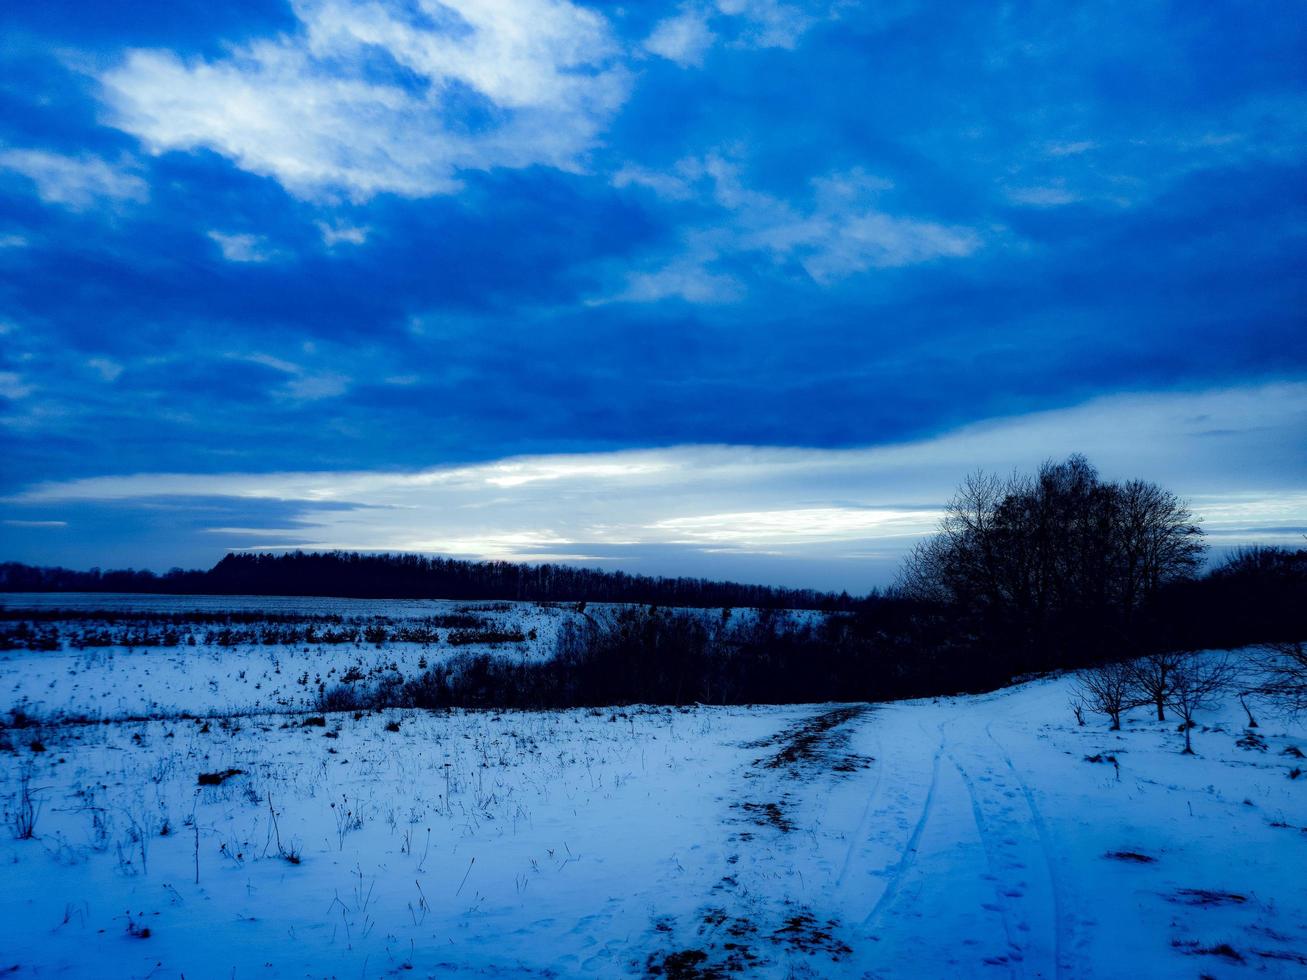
(115, 682)
(955, 837)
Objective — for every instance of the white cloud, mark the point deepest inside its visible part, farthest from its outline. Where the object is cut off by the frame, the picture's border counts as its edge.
(242, 247)
(865, 504)
(796, 525)
(303, 384)
(12, 241)
(76, 183)
(312, 387)
(311, 110)
(835, 249)
(13, 387)
(671, 186)
(1070, 148)
(334, 234)
(684, 38)
(687, 278)
(1047, 196)
(18, 523)
(770, 23)
(108, 369)
(842, 231)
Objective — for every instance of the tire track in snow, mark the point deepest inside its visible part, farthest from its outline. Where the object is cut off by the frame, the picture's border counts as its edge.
(1004, 899)
(860, 833)
(1062, 923)
(909, 854)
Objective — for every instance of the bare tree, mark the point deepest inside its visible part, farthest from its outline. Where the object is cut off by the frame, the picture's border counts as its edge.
(1157, 539)
(1196, 684)
(1055, 566)
(1281, 675)
(1107, 689)
(1152, 676)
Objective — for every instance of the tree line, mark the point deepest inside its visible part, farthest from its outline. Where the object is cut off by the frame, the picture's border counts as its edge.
(405, 576)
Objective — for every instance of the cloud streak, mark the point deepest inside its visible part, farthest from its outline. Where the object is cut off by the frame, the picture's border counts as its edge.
(77, 183)
(844, 231)
(862, 506)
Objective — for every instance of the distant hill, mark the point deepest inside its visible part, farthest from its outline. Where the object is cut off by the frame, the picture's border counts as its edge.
(404, 576)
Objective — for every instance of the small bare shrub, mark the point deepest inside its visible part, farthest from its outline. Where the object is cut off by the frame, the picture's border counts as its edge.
(1107, 689)
(22, 822)
(1196, 685)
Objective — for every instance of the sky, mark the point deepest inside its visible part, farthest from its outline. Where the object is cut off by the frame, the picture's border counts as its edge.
(739, 288)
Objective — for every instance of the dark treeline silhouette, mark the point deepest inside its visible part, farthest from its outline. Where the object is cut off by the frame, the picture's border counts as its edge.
(404, 576)
(890, 647)
(1257, 595)
(652, 655)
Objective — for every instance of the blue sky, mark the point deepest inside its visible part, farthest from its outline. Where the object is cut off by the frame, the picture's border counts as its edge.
(739, 287)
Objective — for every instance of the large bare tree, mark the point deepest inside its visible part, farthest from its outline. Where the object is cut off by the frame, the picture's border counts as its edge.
(1058, 559)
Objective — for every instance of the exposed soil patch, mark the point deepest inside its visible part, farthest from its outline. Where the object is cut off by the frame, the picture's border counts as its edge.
(730, 945)
(813, 742)
(803, 933)
(685, 964)
(1273, 954)
(767, 815)
(1224, 950)
(218, 778)
(1252, 741)
(734, 945)
(1206, 898)
(1133, 857)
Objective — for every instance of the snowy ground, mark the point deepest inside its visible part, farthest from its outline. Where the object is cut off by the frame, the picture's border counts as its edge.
(119, 682)
(956, 837)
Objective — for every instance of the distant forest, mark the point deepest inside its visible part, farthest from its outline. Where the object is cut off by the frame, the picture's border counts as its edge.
(400, 576)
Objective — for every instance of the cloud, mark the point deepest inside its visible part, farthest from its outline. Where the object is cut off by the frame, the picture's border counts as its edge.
(797, 525)
(334, 234)
(771, 23)
(76, 183)
(13, 387)
(383, 97)
(1049, 196)
(864, 506)
(686, 278)
(841, 232)
(669, 186)
(34, 524)
(242, 247)
(109, 370)
(684, 38)
(303, 384)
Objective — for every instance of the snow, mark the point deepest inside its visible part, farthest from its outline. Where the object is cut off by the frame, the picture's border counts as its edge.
(965, 836)
(117, 682)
